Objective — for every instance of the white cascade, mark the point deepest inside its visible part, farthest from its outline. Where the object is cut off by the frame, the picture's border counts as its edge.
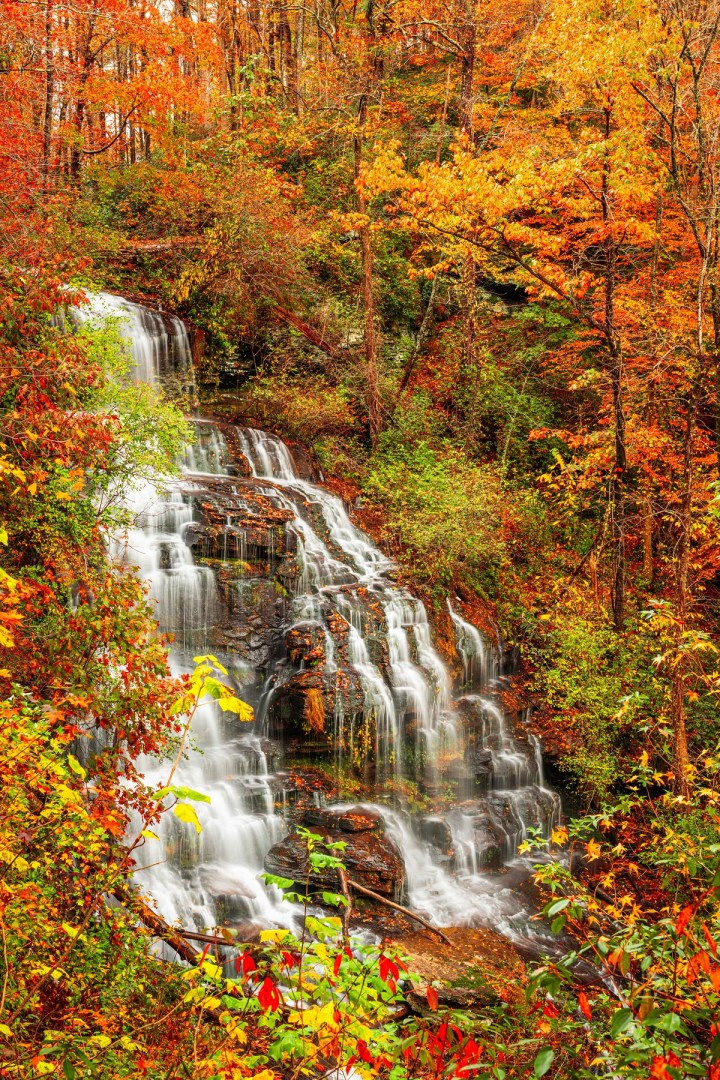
(158, 342)
(421, 730)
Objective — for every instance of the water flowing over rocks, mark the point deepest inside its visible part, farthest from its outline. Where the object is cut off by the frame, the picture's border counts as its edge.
(247, 557)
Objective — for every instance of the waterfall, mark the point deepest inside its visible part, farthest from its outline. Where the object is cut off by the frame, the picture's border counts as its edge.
(248, 560)
(158, 342)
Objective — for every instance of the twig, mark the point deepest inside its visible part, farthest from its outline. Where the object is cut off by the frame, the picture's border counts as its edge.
(398, 907)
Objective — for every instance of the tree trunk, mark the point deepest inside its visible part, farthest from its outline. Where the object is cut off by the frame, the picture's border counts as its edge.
(617, 481)
(421, 338)
(467, 76)
(647, 520)
(49, 91)
(299, 47)
(681, 757)
(370, 335)
(443, 118)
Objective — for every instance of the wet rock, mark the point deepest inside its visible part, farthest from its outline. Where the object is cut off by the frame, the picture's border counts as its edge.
(436, 832)
(317, 703)
(354, 819)
(371, 858)
(304, 464)
(480, 839)
(305, 643)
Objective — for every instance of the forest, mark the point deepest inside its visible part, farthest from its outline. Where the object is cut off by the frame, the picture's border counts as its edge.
(359, 539)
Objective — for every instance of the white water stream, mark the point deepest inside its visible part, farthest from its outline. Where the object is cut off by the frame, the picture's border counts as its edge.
(422, 729)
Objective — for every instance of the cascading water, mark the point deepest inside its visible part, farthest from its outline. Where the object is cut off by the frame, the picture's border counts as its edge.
(158, 342)
(247, 559)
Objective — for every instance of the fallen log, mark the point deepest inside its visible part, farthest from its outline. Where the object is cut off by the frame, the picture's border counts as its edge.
(156, 923)
(211, 939)
(398, 907)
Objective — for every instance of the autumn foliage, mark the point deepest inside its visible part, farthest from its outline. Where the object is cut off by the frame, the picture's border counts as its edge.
(467, 253)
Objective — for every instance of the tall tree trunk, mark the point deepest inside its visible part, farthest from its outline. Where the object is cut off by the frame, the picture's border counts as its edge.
(49, 92)
(443, 119)
(467, 74)
(370, 334)
(299, 48)
(422, 337)
(616, 365)
(681, 757)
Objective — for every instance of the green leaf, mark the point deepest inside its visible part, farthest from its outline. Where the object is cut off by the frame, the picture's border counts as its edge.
(556, 906)
(333, 899)
(187, 813)
(669, 1022)
(281, 882)
(620, 1022)
(76, 766)
(69, 1070)
(714, 1048)
(544, 1060)
(213, 687)
(189, 793)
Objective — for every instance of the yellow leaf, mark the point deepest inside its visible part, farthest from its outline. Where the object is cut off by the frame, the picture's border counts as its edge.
(594, 851)
(277, 934)
(211, 970)
(187, 813)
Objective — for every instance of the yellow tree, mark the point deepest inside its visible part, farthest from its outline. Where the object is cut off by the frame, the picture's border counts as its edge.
(560, 199)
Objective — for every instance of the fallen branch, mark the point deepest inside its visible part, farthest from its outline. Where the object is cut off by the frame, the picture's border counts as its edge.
(156, 924)
(398, 907)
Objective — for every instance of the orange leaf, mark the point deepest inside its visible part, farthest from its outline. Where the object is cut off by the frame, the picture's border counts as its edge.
(584, 1005)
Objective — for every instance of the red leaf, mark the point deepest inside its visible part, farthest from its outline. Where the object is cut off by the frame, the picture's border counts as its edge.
(336, 965)
(432, 997)
(269, 995)
(248, 964)
(683, 919)
(388, 970)
(584, 1005)
(658, 1070)
(712, 944)
(363, 1053)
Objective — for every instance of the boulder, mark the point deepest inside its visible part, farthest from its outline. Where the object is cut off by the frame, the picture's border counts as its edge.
(370, 857)
(354, 819)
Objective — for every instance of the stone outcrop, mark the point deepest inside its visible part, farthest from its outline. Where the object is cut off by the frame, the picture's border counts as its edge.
(370, 856)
